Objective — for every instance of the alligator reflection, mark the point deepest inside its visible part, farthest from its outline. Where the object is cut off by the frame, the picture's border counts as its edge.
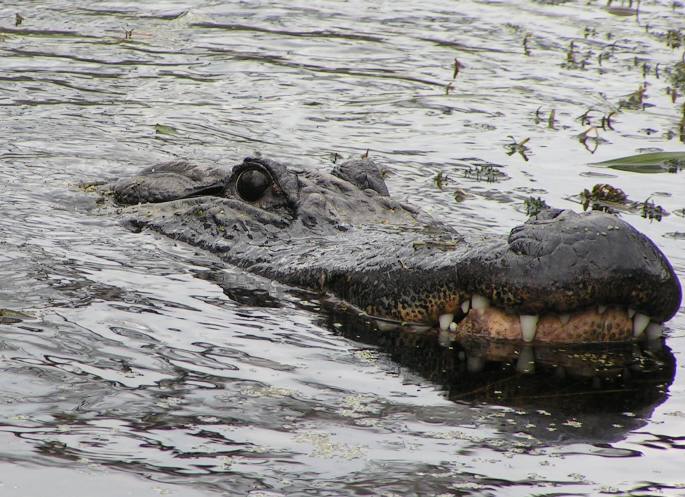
(573, 379)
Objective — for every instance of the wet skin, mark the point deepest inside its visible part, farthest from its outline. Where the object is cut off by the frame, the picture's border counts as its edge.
(560, 277)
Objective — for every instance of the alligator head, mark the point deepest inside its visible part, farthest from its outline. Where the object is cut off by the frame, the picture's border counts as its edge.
(559, 277)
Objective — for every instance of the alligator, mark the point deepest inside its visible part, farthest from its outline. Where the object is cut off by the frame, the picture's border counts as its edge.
(560, 277)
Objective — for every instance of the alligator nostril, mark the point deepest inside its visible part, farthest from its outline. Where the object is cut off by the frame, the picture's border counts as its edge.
(252, 184)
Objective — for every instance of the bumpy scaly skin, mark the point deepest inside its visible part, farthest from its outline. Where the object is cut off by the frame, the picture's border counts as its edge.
(343, 234)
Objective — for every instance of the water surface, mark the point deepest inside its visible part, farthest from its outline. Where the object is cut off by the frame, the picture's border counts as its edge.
(145, 367)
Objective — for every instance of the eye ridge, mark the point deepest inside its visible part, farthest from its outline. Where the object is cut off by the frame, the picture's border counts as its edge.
(251, 184)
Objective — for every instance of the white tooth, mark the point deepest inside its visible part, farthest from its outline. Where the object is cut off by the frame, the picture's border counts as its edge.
(445, 320)
(654, 331)
(526, 360)
(445, 339)
(640, 322)
(453, 326)
(474, 364)
(631, 313)
(565, 318)
(386, 325)
(479, 302)
(465, 306)
(529, 325)
(601, 309)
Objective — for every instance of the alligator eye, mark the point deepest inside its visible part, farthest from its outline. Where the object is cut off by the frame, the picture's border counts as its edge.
(252, 184)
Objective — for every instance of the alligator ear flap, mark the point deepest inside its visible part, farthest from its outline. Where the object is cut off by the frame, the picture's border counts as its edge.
(363, 173)
(169, 181)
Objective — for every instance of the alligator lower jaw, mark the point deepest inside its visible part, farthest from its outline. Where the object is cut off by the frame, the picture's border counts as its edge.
(599, 324)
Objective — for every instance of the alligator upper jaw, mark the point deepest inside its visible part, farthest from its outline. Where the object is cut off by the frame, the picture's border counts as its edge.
(566, 278)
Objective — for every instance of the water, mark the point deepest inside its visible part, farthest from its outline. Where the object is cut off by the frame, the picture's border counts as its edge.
(135, 373)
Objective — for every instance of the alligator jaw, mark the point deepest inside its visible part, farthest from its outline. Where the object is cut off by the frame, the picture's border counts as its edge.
(476, 317)
(597, 324)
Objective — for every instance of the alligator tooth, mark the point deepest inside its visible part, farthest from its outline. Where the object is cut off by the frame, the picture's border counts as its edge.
(640, 322)
(465, 306)
(445, 339)
(601, 309)
(654, 331)
(529, 325)
(565, 318)
(386, 326)
(479, 302)
(445, 320)
(526, 360)
(631, 313)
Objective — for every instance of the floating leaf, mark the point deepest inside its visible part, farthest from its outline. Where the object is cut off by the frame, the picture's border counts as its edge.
(653, 162)
(8, 316)
(622, 11)
(163, 129)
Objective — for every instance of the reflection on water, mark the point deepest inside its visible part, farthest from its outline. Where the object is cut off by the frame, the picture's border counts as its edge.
(595, 381)
(135, 365)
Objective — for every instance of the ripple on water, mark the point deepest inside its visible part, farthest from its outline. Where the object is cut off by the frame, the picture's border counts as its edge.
(148, 367)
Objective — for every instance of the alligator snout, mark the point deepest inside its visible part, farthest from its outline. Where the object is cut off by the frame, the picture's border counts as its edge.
(567, 277)
(563, 261)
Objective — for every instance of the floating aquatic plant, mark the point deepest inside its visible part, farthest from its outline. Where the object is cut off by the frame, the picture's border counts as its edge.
(534, 205)
(440, 180)
(484, 172)
(652, 162)
(526, 48)
(163, 129)
(652, 211)
(635, 100)
(677, 76)
(674, 38)
(520, 148)
(608, 198)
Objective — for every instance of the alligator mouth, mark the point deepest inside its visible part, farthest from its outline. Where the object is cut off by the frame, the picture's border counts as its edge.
(476, 317)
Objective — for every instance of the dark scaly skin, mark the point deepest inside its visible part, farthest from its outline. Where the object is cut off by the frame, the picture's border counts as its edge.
(343, 234)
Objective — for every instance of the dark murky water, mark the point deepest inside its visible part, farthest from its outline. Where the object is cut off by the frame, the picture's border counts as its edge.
(137, 374)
